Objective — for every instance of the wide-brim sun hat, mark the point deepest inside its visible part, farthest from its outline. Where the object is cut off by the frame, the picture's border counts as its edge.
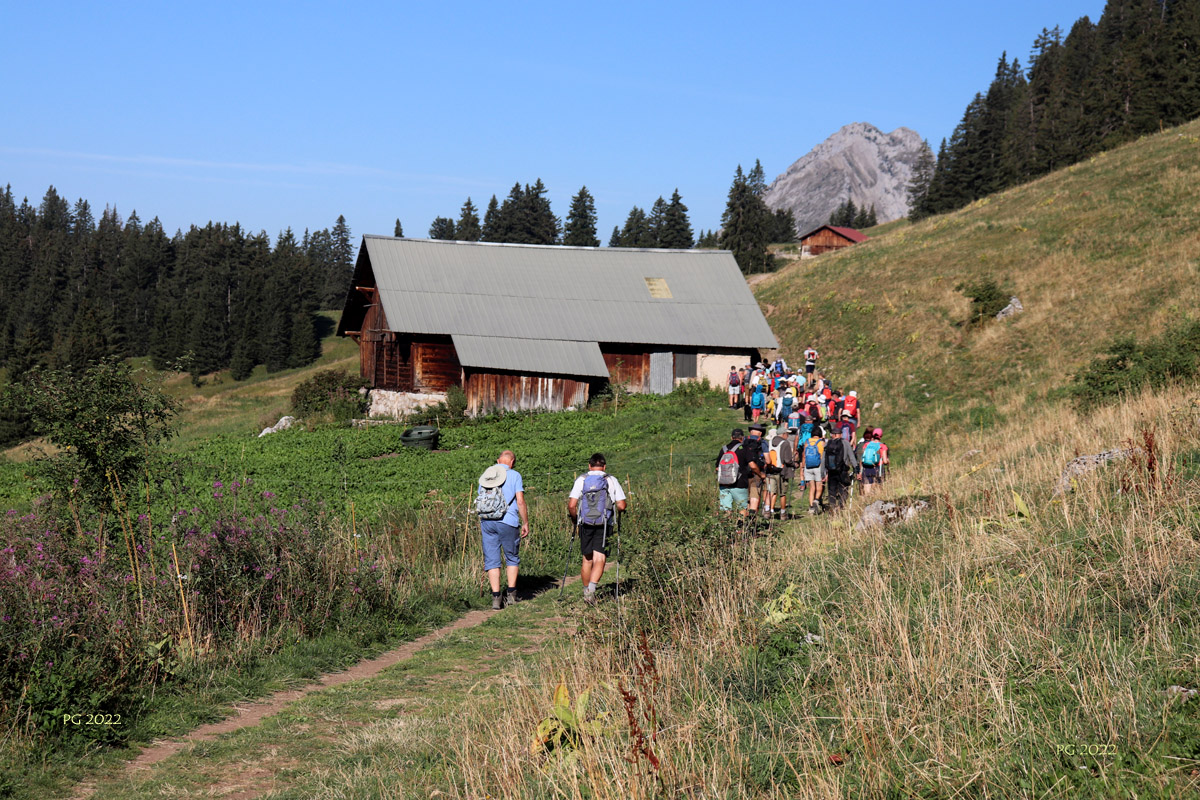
(493, 476)
(757, 427)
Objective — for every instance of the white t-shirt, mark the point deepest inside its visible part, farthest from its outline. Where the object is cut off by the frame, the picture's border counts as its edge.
(615, 493)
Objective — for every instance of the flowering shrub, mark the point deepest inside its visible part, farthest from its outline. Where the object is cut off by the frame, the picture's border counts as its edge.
(90, 620)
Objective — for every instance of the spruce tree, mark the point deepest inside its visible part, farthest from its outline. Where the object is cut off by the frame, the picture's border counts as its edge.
(918, 186)
(491, 221)
(783, 231)
(341, 269)
(540, 226)
(636, 232)
(398, 231)
(580, 229)
(744, 227)
(676, 231)
(442, 228)
(615, 239)
(655, 221)
(467, 229)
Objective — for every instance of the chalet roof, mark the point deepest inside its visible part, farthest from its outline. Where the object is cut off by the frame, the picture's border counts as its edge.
(532, 296)
(848, 233)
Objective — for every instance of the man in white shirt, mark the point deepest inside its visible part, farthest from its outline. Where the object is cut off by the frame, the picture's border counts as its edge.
(594, 500)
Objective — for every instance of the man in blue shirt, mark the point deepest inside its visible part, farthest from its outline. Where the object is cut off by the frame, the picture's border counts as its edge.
(502, 537)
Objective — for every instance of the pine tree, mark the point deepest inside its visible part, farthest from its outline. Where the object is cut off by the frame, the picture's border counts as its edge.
(580, 229)
(398, 231)
(676, 231)
(467, 229)
(861, 219)
(442, 228)
(615, 239)
(872, 218)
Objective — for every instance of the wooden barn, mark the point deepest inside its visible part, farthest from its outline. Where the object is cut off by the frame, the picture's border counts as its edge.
(542, 327)
(829, 237)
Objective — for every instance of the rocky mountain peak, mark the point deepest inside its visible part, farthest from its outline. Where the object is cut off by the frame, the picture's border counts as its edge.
(860, 162)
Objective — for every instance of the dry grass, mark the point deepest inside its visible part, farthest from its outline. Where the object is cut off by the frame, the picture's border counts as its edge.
(958, 654)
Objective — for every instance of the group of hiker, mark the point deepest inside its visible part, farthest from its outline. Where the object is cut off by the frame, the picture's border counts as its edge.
(798, 423)
(595, 500)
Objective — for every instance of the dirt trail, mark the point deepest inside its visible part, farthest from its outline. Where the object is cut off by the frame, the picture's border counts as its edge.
(251, 714)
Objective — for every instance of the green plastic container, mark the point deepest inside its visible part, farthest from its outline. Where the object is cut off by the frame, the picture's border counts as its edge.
(422, 436)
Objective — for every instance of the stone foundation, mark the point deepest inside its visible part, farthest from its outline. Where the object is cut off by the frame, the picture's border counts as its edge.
(385, 403)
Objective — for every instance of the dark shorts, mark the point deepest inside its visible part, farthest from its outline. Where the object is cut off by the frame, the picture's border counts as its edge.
(594, 539)
(808, 368)
(870, 474)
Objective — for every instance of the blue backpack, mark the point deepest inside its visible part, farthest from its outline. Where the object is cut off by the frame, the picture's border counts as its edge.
(758, 400)
(871, 454)
(594, 506)
(812, 455)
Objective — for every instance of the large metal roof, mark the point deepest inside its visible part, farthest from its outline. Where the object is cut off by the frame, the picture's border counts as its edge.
(530, 355)
(694, 298)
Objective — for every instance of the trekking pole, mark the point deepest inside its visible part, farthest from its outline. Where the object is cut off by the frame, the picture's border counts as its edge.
(617, 587)
(567, 564)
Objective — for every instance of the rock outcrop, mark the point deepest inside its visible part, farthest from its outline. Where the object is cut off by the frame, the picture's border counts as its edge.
(860, 162)
(1013, 308)
(883, 513)
(283, 424)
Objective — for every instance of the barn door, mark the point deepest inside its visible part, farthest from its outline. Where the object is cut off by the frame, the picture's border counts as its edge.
(662, 373)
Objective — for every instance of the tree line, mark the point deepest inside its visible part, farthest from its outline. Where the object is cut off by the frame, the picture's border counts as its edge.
(77, 290)
(525, 217)
(1134, 71)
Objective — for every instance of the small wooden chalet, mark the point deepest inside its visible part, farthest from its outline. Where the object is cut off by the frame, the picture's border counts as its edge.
(829, 237)
(541, 327)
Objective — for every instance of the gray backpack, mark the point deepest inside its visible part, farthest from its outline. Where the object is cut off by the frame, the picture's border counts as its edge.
(490, 504)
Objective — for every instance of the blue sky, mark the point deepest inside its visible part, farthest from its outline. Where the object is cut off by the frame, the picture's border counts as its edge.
(288, 114)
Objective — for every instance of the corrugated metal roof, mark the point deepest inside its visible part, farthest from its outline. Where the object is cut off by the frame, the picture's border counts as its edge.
(531, 355)
(580, 294)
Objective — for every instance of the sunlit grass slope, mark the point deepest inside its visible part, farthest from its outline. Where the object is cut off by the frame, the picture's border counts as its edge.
(1106, 247)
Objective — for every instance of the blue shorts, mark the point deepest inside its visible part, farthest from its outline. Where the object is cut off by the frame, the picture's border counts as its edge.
(734, 499)
(500, 541)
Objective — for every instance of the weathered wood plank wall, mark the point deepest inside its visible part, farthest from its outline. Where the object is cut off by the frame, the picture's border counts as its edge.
(510, 391)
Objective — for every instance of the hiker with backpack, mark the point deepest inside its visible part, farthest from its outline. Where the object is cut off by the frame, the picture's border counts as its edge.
(758, 402)
(735, 464)
(780, 469)
(758, 474)
(840, 469)
(872, 462)
(813, 460)
(592, 504)
(735, 387)
(500, 504)
(810, 363)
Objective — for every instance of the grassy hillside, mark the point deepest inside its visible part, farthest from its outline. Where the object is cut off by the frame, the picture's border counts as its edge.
(1108, 246)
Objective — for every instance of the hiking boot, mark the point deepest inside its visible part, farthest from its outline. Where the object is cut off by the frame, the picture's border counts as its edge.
(589, 597)
(511, 598)
(497, 602)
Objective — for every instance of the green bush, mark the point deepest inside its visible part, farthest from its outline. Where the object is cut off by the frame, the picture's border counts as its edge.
(1126, 365)
(332, 391)
(987, 299)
